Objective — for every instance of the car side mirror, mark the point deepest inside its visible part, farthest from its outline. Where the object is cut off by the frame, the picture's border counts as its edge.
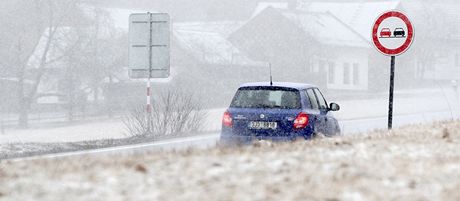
(334, 107)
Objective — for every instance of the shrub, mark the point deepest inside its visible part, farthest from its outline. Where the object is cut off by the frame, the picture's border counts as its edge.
(173, 112)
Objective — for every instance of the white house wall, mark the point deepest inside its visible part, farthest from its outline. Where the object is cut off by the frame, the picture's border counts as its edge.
(446, 66)
(350, 56)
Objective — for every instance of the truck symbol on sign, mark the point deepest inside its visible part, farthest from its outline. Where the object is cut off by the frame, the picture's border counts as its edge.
(397, 33)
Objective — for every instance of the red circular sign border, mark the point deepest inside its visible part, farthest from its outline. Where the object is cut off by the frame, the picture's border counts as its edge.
(410, 35)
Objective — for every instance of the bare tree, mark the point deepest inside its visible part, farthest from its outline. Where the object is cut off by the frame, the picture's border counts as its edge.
(100, 55)
(174, 112)
(59, 41)
(434, 29)
(38, 38)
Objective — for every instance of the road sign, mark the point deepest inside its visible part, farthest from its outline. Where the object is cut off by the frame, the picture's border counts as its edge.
(392, 33)
(149, 45)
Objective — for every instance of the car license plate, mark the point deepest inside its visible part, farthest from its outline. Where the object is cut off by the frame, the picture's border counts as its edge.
(263, 125)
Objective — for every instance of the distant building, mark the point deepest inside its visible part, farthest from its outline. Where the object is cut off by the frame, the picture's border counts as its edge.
(434, 55)
(206, 44)
(313, 47)
(437, 45)
(324, 42)
(360, 16)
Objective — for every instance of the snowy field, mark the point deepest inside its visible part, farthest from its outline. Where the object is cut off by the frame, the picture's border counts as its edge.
(420, 162)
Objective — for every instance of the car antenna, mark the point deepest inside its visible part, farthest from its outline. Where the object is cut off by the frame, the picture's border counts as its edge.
(271, 78)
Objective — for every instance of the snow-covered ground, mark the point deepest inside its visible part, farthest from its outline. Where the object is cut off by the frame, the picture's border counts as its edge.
(420, 162)
(105, 129)
(413, 106)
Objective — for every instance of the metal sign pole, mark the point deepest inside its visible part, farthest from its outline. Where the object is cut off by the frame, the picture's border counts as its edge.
(150, 45)
(392, 83)
(149, 106)
(392, 44)
(2, 125)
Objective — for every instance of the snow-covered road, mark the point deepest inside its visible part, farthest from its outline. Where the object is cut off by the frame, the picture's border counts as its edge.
(197, 142)
(355, 116)
(349, 127)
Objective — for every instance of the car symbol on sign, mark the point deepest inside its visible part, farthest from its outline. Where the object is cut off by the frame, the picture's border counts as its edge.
(399, 32)
(385, 33)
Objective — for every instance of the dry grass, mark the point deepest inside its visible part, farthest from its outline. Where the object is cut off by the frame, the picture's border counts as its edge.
(412, 163)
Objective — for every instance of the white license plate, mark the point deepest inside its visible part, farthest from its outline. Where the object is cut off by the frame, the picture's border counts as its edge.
(263, 125)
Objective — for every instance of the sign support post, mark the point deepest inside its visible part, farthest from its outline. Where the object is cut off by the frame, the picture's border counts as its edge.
(392, 35)
(392, 84)
(149, 90)
(149, 107)
(149, 51)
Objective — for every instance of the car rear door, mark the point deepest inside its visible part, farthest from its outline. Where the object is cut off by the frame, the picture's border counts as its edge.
(314, 111)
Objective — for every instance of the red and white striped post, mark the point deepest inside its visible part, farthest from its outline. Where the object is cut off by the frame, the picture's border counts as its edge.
(148, 113)
(149, 105)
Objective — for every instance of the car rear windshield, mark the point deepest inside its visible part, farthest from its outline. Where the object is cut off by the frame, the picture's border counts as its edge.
(267, 97)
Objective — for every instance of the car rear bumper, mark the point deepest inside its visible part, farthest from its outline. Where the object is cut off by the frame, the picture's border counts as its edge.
(228, 137)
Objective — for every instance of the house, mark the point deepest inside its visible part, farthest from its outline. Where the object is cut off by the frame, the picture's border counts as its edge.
(204, 58)
(358, 15)
(434, 55)
(437, 47)
(205, 45)
(313, 47)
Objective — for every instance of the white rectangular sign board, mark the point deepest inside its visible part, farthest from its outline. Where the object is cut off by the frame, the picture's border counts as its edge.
(149, 45)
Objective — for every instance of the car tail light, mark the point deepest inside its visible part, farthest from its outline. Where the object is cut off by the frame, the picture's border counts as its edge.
(227, 119)
(301, 121)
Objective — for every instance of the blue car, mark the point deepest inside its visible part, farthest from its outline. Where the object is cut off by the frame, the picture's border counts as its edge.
(278, 112)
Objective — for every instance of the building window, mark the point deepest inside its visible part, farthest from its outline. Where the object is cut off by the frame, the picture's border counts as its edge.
(457, 59)
(355, 74)
(308, 68)
(315, 67)
(346, 73)
(331, 73)
(443, 57)
(322, 66)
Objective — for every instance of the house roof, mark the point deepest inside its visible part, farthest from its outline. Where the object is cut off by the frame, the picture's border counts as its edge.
(224, 28)
(434, 19)
(264, 5)
(210, 47)
(121, 16)
(360, 15)
(205, 41)
(326, 28)
(121, 20)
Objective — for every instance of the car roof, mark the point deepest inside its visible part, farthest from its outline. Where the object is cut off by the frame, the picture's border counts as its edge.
(292, 85)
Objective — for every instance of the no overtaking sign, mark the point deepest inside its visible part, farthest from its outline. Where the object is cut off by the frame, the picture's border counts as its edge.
(392, 35)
